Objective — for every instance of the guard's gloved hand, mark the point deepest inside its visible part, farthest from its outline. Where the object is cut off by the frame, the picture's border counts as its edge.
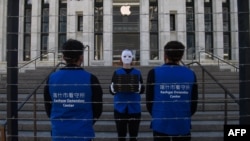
(112, 88)
(139, 88)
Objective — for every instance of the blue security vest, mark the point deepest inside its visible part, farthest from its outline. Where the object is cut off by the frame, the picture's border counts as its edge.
(171, 111)
(71, 113)
(125, 102)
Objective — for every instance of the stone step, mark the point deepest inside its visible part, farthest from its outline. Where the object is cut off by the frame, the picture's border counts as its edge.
(211, 104)
(216, 135)
(109, 125)
(111, 136)
(207, 123)
(209, 113)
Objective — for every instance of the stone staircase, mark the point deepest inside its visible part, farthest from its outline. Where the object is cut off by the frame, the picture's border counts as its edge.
(207, 123)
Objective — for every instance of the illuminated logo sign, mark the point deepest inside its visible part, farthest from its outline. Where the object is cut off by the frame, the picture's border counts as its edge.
(125, 10)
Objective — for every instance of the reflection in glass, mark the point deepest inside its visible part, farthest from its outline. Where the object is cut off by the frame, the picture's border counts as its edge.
(153, 17)
(63, 20)
(44, 31)
(208, 27)
(80, 23)
(27, 41)
(98, 29)
(126, 31)
(62, 39)
(226, 30)
(62, 35)
(44, 47)
(126, 23)
(190, 21)
(27, 32)
(172, 22)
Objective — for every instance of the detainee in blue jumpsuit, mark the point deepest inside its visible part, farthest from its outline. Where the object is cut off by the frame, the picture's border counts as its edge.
(73, 97)
(127, 105)
(171, 96)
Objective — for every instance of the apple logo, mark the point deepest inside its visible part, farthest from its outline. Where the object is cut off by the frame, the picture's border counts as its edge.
(125, 10)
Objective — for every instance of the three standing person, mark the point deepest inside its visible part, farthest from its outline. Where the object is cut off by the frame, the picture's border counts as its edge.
(171, 96)
(73, 97)
(127, 105)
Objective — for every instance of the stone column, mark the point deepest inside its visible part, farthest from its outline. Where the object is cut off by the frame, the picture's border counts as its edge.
(21, 30)
(3, 28)
(144, 33)
(35, 30)
(181, 24)
(234, 29)
(88, 30)
(72, 19)
(200, 29)
(108, 32)
(164, 28)
(53, 29)
(218, 29)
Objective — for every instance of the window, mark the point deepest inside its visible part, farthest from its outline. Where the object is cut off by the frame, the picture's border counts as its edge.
(172, 22)
(153, 17)
(27, 31)
(126, 29)
(79, 23)
(44, 30)
(62, 25)
(98, 20)
(226, 29)
(208, 26)
(126, 23)
(190, 23)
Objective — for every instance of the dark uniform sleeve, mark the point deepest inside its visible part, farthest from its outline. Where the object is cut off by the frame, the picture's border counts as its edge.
(47, 99)
(150, 90)
(97, 104)
(194, 102)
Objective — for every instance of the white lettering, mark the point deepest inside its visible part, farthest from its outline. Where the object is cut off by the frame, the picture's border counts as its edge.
(243, 131)
(180, 92)
(75, 101)
(175, 96)
(166, 92)
(235, 132)
(59, 100)
(231, 132)
(68, 105)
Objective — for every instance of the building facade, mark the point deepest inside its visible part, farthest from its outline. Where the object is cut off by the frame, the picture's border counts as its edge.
(206, 27)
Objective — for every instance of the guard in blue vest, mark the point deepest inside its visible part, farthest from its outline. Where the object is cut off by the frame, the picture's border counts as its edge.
(127, 105)
(73, 97)
(171, 95)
